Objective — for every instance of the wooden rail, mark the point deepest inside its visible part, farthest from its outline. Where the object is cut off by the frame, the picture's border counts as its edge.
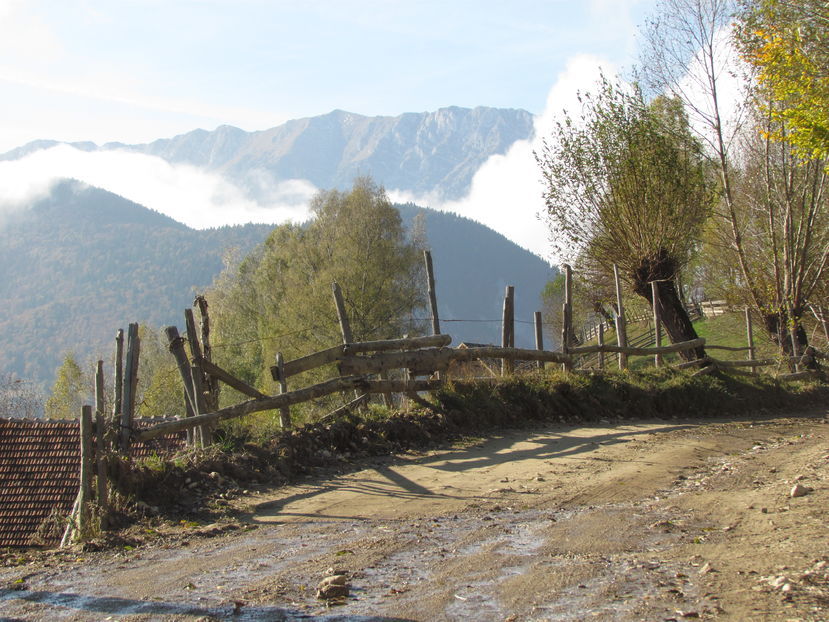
(286, 399)
(674, 347)
(338, 353)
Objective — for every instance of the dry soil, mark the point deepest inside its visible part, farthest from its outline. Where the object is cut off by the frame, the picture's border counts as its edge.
(645, 520)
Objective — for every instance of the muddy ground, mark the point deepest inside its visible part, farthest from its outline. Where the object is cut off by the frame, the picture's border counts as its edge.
(643, 520)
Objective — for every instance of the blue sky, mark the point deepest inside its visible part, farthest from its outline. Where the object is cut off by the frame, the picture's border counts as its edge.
(143, 69)
(137, 70)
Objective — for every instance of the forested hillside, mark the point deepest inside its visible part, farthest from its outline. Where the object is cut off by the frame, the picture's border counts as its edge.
(84, 262)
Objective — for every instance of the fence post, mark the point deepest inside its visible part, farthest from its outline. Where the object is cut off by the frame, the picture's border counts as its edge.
(793, 339)
(750, 339)
(508, 328)
(567, 315)
(212, 385)
(285, 411)
(342, 316)
(86, 470)
(657, 322)
(433, 301)
(539, 336)
(130, 384)
(119, 377)
(621, 329)
(202, 432)
(100, 433)
(176, 347)
(345, 327)
(600, 341)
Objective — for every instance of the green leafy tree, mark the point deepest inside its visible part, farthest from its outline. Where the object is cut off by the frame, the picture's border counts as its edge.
(627, 184)
(72, 389)
(279, 298)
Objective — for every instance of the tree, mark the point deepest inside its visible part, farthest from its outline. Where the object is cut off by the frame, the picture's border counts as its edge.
(782, 200)
(787, 42)
(72, 389)
(279, 298)
(626, 184)
(690, 53)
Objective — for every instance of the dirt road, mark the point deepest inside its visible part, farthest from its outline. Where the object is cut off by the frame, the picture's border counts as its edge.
(648, 520)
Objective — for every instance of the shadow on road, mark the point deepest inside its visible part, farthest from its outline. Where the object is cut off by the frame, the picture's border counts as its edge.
(393, 485)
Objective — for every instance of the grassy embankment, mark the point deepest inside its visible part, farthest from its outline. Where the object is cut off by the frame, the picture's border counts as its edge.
(469, 408)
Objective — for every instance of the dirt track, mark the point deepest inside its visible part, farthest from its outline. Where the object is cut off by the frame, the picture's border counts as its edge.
(648, 520)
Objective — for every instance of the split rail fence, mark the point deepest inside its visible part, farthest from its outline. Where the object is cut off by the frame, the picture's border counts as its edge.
(406, 366)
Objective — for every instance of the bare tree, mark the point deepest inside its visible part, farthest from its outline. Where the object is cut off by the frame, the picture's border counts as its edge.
(19, 398)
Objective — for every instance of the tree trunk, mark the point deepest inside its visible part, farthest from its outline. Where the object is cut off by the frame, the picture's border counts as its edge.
(777, 326)
(662, 268)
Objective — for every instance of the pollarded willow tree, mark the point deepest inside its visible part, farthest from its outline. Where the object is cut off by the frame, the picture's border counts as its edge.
(626, 184)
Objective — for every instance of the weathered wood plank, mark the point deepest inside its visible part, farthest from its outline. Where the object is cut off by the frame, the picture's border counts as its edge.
(754, 363)
(230, 380)
(337, 353)
(674, 347)
(245, 408)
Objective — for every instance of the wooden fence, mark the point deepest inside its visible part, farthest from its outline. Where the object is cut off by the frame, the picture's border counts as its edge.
(405, 366)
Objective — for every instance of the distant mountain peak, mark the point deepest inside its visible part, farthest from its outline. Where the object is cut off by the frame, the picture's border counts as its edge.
(435, 153)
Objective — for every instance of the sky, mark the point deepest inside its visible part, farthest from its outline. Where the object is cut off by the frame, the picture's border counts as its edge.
(137, 70)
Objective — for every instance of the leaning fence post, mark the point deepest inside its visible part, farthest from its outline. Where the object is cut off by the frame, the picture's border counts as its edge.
(342, 316)
(621, 329)
(433, 301)
(657, 322)
(539, 336)
(508, 328)
(176, 347)
(285, 411)
(130, 384)
(750, 339)
(345, 327)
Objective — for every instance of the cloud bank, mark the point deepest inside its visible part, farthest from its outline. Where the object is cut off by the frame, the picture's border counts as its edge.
(193, 196)
(506, 192)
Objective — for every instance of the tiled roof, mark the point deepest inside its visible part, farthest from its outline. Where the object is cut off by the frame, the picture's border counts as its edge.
(39, 468)
(39, 465)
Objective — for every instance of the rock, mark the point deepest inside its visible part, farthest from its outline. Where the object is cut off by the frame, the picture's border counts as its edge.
(333, 587)
(799, 490)
(706, 568)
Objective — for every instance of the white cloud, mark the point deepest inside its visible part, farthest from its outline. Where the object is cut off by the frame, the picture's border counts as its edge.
(197, 198)
(695, 88)
(506, 192)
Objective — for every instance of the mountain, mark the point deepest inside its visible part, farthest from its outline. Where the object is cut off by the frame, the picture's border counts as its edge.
(429, 152)
(84, 262)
